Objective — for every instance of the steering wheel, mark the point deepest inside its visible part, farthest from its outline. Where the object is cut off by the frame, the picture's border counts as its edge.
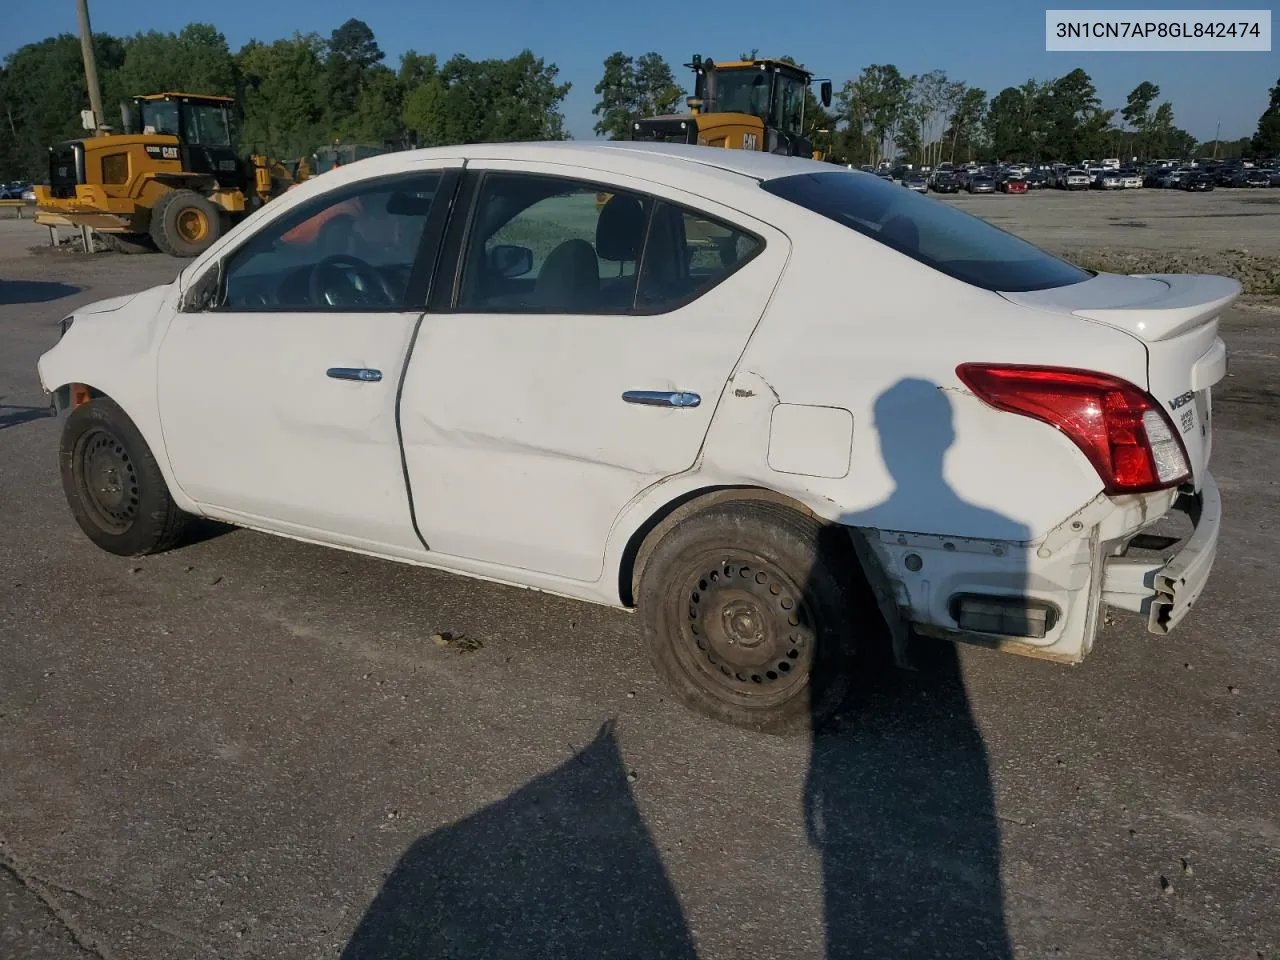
(367, 284)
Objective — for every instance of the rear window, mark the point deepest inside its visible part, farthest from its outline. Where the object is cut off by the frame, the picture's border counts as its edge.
(952, 242)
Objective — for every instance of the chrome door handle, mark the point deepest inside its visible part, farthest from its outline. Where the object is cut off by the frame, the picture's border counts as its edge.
(359, 374)
(662, 398)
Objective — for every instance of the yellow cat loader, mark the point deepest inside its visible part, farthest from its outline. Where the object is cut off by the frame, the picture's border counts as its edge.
(753, 104)
(172, 181)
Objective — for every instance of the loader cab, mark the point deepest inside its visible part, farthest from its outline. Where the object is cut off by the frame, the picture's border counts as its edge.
(201, 124)
(194, 119)
(755, 104)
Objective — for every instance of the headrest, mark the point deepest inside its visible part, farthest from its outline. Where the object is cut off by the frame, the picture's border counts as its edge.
(620, 229)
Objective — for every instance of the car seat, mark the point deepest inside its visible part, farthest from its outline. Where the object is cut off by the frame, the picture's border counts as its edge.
(569, 280)
(619, 239)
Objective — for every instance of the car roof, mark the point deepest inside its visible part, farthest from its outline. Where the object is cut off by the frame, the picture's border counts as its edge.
(754, 164)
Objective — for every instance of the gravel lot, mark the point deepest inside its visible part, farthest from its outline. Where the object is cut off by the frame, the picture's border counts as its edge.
(250, 747)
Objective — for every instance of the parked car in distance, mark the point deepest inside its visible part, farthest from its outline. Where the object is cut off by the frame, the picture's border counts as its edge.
(1108, 180)
(1257, 178)
(981, 183)
(914, 180)
(1037, 179)
(1195, 181)
(1076, 179)
(1131, 179)
(944, 182)
(1014, 183)
(476, 374)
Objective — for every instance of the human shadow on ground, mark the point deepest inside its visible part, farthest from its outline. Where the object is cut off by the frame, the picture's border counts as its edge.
(564, 867)
(14, 292)
(898, 802)
(14, 416)
(898, 799)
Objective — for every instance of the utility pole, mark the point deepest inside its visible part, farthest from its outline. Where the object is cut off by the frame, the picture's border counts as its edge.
(1216, 134)
(90, 65)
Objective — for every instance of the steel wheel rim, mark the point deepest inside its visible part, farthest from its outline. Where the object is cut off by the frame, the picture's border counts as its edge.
(107, 480)
(746, 633)
(193, 226)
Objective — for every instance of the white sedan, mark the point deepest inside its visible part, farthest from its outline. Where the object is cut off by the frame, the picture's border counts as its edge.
(772, 404)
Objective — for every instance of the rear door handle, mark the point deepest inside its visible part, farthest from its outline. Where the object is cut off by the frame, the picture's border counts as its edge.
(662, 398)
(359, 374)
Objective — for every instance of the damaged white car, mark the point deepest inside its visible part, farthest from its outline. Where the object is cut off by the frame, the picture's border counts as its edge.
(730, 390)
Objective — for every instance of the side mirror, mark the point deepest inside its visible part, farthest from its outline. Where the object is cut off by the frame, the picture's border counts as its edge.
(509, 261)
(826, 93)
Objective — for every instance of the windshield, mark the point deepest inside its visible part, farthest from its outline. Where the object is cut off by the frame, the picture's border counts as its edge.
(160, 116)
(950, 241)
(741, 91)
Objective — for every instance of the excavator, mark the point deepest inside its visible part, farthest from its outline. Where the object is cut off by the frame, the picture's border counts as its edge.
(754, 104)
(172, 180)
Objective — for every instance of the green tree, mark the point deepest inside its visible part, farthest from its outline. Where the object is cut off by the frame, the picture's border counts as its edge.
(283, 96)
(352, 51)
(619, 92)
(483, 101)
(968, 110)
(1074, 119)
(872, 106)
(1266, 142)
(633, 87)
(42, 91)
(377, 116)
(195, 60)
(1137, 114)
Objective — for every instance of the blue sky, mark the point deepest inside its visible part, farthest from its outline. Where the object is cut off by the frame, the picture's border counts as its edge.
(987, 44)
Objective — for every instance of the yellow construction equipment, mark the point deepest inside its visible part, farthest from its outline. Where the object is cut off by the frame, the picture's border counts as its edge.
(172, 180)
(755, 104)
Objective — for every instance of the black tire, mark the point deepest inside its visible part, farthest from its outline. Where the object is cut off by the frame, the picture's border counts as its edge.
(113, 484)
(127, 242)
(751, 614)
(185, 224)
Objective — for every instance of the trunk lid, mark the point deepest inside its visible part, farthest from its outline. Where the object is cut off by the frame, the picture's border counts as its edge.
(1176, 317)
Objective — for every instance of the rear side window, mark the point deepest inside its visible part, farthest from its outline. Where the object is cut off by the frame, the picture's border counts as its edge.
(955, 243)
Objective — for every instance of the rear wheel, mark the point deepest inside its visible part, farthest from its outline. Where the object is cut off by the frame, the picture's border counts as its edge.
(750, 615)
(113, 484)
(184, 224)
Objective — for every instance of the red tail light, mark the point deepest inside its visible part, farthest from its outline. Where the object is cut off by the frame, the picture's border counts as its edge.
(1120, 428)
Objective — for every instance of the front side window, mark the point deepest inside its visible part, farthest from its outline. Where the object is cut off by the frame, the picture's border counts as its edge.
(542, 244)
(788, 103)
(205, 124)
(952, 242)
(352, 249)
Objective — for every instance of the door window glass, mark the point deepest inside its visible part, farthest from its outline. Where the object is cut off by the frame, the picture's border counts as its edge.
(352, 249)
(688, 253)
(550, 245)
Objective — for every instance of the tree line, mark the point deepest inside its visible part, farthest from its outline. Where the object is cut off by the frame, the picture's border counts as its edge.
(293, 95)
(296, 94)
(883, 114)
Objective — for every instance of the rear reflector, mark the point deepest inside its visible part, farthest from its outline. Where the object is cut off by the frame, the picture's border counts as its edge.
(1119, 427)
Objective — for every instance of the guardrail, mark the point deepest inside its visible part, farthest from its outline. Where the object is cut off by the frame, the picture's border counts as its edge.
(20, 207)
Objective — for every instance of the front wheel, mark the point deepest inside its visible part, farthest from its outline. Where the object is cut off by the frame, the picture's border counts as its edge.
(113, 484)
(749, 615)
(184, 224)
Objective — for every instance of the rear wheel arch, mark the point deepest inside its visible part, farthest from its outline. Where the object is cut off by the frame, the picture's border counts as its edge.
(644, 538)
